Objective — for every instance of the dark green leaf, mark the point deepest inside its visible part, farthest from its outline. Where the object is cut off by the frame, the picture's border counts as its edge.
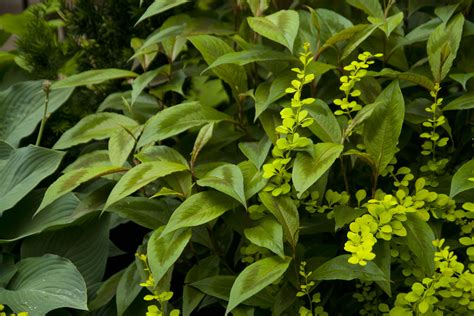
(419, 240)
(461, 182)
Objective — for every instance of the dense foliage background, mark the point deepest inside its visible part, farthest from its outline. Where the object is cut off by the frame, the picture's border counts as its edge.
(245, 157)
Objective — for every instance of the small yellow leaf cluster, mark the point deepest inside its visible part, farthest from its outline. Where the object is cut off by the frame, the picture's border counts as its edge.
(2, 312)
(293, 117)
(357, 70)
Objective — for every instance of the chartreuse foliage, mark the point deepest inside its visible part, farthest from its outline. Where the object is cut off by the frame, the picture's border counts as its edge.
(267, 158)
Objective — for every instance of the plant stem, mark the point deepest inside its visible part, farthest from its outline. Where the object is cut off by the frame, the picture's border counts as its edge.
(46, 89)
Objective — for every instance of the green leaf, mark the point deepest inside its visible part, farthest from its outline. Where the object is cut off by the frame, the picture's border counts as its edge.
(160, 6)
(443, 45)
(92, 77)
(86, 245)
(96, 126)
(255, 277)
(211, 48)
(285, 211)
(383, 259)
(141, 82)
(19, 222)
(464, 102)
(139, 176)
(43, 284)
(177, 119)
(254, 181)
(344, 215)
(370, 7)
(462, 78)
(71, 180)
(357, 39)
(281, 27)
(249, 56)
(267, 93)
(325, 125)
(128, 288)
(419, 240)
(256, 152)
(203, 137)
(106, 292)
(339, 268)
(22, 107)
(329, 23)
(164, 249)
(24, 170)
(161, 153)
(268, 233)
(121, 144)
(307, 168)
(163, 33)
(227, 179)
(387, 25)
(198, 209)
(460, 181)
(382, 129)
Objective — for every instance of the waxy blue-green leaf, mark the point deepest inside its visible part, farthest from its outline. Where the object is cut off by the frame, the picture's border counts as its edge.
(160, 6)
(23, 171)
(268, 233)
(460, 181)
(249, 56)
(443, 45)
(198, 209)
(285, 211)
(307, 168)
(227, 179)
(382, 129)
(419, 239)
(22, 107)
(256, 152)
(325, 125)
(92, 77)
(177, 119)
(281, 27)
(96, 126)
(339, 268)
(164, 249)
(255, 278)
(43, 284)
(71, 180)
(141, 175)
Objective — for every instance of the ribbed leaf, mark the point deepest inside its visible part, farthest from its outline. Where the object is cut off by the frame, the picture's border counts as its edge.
(96, 126)
(25, 169)
(43, 284)
(139, 176)
(22, 107)
(91, 77)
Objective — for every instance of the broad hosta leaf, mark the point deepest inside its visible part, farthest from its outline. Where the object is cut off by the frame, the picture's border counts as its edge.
(211, 48)
(86, 245)
(461, 182)
(160, 6)
(443, 45)
(255, 277)
(227, 179)
(25, 169)
(19, 222)
(464, 102)
(96, 126)
(308, 168)
(91, 77)
(256, 152)
(139, 176)
(164, 249)
(177, 119)
(143, 211)
(199, 209)
(370, 7)
(280, 27)
(249, 56)
(71, 180)
(268, 234)
(419, 240)
(339, 268)
(383, 127)
(43, 284)
(285, 211)
(22, 107)
(128, 288)
(325, 125)
(121, 144)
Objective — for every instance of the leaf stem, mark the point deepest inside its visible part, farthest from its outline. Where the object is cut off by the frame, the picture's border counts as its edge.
(46, 89)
